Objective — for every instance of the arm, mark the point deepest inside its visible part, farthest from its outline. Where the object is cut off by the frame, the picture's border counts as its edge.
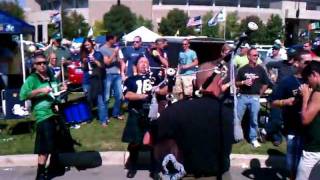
(132, 96)
(283, 102)
(194, 63)
(310, 104)
(263, 89)
(164, 61)
(108, 59)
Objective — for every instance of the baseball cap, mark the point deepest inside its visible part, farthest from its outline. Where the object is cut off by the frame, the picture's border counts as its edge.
(56, 36)
(246, 45)
(277, 41)
(276, 46)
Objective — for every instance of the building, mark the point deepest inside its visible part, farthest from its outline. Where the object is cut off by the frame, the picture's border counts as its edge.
(295, 14)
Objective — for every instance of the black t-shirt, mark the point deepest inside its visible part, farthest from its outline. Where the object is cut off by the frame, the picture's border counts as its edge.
(284, 69)
(257, 74)
(194, 125)
(140, 84)
(287, 88)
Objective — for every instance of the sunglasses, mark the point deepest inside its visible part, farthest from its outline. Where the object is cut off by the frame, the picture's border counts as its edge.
(41, 63)
(185, 44)
(136, 41)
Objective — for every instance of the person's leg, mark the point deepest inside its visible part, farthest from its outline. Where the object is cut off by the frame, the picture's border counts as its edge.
(41, 172)
(117, 88)
(307, 162)
(133, 159)
(187, 86)
(102, 110)
(254, 108)
(290, 154)
(177, 88)
(241, 106)
(273, 126)
(107, 89)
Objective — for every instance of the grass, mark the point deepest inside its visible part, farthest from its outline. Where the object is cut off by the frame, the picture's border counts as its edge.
(17, 137)
(92, 136)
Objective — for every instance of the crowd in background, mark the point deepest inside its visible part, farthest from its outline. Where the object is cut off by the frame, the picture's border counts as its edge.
(135, 76)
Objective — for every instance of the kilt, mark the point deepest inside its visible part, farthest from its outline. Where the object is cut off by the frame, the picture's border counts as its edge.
(137, 125)
(46, 131)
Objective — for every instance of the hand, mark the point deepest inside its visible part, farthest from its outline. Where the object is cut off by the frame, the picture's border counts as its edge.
(248, 82)
(64, 86)
(305, 91)
(155, 53)
(123, 77)
(289, 101)
(46, 90)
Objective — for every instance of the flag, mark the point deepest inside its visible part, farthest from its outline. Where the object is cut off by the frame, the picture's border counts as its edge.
(90, 33)
(194, 21)
(219, 17)
(177, 33)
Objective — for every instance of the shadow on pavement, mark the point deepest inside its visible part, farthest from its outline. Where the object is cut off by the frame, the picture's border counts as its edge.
(275, 167)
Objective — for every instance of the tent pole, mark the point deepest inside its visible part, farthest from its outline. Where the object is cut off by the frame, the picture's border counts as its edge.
(22, 58)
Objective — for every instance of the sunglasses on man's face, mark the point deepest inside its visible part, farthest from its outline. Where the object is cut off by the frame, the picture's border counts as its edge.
(136, 42)
(41, 63)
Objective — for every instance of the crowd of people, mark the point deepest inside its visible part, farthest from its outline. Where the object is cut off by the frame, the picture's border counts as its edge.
(138, 76)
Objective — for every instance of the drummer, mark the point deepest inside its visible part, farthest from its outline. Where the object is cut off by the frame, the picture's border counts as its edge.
(39, 88)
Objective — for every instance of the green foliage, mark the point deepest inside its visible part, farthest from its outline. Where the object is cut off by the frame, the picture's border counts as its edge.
(140, 21)
(13, 9)
(74, 25)
(119, 20)
(209, 31)
(274, 29)
(98, 28)
(175, 20)
(257, 36)
(232, 26)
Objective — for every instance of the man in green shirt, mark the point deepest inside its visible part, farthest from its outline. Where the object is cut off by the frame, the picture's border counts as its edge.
(40, 87)
(310, 115)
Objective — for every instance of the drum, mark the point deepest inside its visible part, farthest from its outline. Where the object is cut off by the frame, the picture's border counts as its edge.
(76, 111)
(75, 73)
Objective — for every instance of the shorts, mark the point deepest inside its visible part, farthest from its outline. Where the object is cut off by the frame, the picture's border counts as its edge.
(184, 84)
(46, 131)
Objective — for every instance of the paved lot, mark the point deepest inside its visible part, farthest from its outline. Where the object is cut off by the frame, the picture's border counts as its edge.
(117, 172)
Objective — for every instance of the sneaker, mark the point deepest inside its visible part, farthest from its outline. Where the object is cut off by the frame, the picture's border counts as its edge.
(255, 143)
(41, 176)
(76, 126)
(104, 125)
(120, 117)
(131, 173)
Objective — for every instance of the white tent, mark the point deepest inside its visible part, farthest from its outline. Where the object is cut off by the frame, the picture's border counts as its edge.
(146, 35)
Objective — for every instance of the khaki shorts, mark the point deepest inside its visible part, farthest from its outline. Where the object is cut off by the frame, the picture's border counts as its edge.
(184, 84)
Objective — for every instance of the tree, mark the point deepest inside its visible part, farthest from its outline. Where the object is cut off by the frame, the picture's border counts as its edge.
(119, 20)
(232, 26)
(175, 20)
(73, 23)
(140, 21)
(98, 28)
(274, 29)
(209, 31)
(257, 36)
(13, 9)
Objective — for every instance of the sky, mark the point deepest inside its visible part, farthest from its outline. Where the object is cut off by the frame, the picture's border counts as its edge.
(21, 2)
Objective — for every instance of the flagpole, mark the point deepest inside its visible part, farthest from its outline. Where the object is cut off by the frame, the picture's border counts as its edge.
(224, 29)
(61, 29)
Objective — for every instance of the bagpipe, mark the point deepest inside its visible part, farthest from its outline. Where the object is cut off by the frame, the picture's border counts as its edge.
(168, 150)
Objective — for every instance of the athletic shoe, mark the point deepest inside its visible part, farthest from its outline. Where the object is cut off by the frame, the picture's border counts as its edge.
(255, 143)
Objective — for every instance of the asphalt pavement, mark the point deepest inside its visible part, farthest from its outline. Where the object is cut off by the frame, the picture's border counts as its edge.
(117, 172)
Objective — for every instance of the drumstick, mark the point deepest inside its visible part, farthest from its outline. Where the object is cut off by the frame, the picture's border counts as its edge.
(62, 70)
